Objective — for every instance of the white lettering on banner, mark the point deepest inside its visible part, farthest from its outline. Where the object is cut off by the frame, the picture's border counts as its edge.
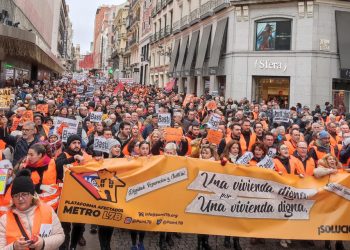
(72, 124)
(244, 159)
(250, 208)
(281, 115)
(339, 190)
(66, 132)
(156, 183)
(89, 94)
(214, 121)
(101, 144)
(266, 162)
(164, 120)
(96, 116)
(247, 187)
(268, 64)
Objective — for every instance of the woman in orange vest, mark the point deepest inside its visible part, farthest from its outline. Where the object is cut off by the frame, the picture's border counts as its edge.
(44, 174)
(259, 152)
(29, 223)
(286, 163)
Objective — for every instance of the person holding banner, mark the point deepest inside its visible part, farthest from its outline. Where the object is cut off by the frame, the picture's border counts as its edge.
(29, 223)
(232, 152)
(72, 155)
(287, 164)
(105, 233)
(259, 152)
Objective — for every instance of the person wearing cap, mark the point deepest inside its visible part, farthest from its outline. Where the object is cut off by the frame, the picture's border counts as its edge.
(5, 199)
(41, 226)
(72, 155)
(322, 147)
(150, 127)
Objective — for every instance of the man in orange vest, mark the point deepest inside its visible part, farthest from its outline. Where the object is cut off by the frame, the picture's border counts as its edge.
(322, 146)
(72, 155)
(293, 141)
(307, 161)
(248, 138)
(235, 135)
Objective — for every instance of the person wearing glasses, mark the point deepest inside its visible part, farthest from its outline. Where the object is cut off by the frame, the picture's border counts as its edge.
(22, 144)
(29, 223)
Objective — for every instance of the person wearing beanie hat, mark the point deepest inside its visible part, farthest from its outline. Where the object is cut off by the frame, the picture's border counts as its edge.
(114, 148)
(322, 146)
(31, 214)
(72, 155)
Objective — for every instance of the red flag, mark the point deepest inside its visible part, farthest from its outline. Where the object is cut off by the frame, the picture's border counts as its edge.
(119, 87)
(169, 85)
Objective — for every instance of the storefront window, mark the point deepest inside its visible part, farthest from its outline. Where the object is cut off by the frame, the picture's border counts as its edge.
(273, 34)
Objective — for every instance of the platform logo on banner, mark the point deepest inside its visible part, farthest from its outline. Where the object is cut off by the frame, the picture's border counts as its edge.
(102, 186)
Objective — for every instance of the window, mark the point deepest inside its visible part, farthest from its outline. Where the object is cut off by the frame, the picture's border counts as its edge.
(273, 34)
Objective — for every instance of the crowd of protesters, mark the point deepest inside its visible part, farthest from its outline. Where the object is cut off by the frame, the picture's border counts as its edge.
(311, 142)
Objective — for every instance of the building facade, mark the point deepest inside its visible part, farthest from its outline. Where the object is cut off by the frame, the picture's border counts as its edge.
(144, 45)
(261, 50)
(162, 40)
(26, 36)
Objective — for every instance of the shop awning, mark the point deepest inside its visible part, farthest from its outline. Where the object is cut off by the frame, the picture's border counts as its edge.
(202, 49)
(191, 52)
(217, 44)
(181, 55)
(174, 57)
(342, 21)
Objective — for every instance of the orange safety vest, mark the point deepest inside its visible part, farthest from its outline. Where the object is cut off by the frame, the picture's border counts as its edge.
(291, 146)
(294, 166)
(310, 166)
(334, 141)
(5, 201)
(50, 188)
(2, 144)
(42, 216)
(320, 154)
(244, 143)
(15, 122)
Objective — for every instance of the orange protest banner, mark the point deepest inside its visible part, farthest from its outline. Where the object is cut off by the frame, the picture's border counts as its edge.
(173, 134)
(212, 105)
(42, 108)
(28, 116)
(214, 136)
(187, 195)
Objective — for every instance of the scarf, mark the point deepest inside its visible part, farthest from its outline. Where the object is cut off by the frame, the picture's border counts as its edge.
(233, 158)
(40, 167)
(72, 153)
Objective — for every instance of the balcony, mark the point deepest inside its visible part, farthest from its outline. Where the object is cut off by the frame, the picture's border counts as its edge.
(176, 27)
(184, 23)
(134, 20)
(133, 3)
(151, 39)
(154, 12)
(194, 16)
(206, 9)
(220, 5)
(159, 6)
(132, 42)
(164, 3)
(161, 33)
(169, 1)
(167, 30)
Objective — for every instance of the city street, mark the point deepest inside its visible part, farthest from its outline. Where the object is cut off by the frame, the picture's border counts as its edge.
(121, 240)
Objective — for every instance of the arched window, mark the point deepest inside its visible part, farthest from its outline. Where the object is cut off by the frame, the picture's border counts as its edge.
(273, 34)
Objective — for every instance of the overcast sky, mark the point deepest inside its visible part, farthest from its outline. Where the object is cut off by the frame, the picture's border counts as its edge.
(82, 15)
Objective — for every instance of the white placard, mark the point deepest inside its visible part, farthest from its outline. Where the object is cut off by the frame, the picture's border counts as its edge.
(244, 159)
(66, 132)
(101, 144)
(90, 88)
(164, 120)
(96, 116)
(72, 124)
(266, 162)
(281, 115)
(272, 152)
(214, 121)
(80, 89)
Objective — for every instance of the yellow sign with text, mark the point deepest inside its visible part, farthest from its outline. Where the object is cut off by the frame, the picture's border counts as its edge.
(180, 194)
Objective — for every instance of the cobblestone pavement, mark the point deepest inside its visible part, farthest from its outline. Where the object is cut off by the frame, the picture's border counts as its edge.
(121, 241)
